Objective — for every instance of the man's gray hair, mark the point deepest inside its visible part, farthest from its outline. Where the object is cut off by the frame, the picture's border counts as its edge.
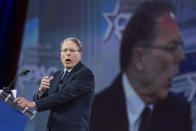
(75, 40)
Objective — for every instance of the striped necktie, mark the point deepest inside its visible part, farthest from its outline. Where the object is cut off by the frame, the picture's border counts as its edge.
(64, 76)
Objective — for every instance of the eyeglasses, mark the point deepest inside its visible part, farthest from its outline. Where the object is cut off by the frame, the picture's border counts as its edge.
(70, 50)
(171, 48)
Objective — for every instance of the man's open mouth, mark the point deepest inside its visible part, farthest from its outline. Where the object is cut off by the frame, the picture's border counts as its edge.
(68, 60)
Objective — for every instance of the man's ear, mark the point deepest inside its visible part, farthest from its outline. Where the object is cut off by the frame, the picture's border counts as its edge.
(137, 58)
(80, 53)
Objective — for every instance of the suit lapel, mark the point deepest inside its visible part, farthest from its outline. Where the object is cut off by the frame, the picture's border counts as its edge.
(119, 107)
(71, 74)
(160, 119)
(74, 69)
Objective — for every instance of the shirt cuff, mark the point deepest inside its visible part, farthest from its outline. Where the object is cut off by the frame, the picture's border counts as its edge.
(39, 95)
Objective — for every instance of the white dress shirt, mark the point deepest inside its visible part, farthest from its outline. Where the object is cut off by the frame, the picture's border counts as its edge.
(134, 105)
(68, 70)
(65, 71)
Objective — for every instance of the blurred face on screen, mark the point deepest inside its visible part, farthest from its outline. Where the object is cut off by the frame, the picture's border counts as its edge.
(70, 54)
(162, 59)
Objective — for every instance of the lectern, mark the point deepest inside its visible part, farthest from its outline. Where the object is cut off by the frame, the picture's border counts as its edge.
(9, 99)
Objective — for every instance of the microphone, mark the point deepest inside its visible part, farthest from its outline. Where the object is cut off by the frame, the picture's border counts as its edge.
(7, 89)
(7, 96)
(23, 73)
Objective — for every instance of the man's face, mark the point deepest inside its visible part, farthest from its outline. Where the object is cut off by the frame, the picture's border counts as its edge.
(162, 64)
(70, 54)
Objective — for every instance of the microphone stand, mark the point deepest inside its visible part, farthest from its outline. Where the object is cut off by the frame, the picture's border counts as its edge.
(7, 96)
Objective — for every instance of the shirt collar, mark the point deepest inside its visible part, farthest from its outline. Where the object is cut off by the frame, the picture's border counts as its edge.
(67, 70)
(134, 103)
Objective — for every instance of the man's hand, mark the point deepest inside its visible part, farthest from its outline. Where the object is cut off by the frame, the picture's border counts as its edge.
(23, 103)
(45, 83)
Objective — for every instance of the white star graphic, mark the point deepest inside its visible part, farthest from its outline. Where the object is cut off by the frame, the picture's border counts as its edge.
(108, 17)
(115, 20)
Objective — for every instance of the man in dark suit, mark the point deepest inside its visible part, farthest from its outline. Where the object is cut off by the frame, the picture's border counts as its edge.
(68, 93)
(150, 54)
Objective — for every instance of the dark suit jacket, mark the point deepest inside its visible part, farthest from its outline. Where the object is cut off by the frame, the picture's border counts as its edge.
(109, 112)
(70, 108)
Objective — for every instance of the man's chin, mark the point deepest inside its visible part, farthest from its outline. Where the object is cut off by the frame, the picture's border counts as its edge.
(68, 67)
(163, 94)
(152, 101)
(155, 98)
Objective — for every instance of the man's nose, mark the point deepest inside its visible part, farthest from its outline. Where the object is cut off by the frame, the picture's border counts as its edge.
(179, 55)
(68, 52)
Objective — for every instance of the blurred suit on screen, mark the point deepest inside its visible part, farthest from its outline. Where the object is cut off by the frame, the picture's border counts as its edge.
(150, 54)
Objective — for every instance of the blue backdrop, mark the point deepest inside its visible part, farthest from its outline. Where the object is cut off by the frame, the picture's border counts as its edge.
(99, 25)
